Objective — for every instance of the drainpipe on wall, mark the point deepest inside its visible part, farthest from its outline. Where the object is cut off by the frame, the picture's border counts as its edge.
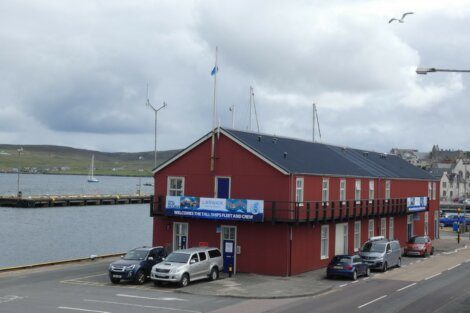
(289, 272)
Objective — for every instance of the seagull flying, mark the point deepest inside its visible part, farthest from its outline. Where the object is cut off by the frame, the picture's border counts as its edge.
(402, 18)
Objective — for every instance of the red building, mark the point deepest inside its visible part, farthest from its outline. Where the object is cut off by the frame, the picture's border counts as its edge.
(319, 200)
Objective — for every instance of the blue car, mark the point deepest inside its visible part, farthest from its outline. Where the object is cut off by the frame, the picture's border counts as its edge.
(350, 266)
(450, 218)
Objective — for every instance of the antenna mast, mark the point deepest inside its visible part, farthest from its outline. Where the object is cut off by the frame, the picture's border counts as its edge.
(232, 109)
(315, 116)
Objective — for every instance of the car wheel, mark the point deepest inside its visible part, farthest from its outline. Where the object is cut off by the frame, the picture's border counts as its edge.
(384, 267)
(115, 280)
(184, 280)
(399, 262)
(354, 277)
(214, 274)
(140, 277)
(368, 272)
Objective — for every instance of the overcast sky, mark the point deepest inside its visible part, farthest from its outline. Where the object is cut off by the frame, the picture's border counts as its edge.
(74, 73)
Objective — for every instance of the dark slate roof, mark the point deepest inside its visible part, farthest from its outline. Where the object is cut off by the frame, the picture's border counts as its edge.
(305, 157)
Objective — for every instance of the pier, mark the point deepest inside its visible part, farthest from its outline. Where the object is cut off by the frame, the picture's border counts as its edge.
(70, 200)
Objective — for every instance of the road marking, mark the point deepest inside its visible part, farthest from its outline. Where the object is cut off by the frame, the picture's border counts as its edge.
(150, 298)
(141, 306)
(432, 276)
(8, 298)
(343, 285)
(78, 309)
(366, 278)
(354, 282)
(410, 285)
(361, 306)
(451, 268)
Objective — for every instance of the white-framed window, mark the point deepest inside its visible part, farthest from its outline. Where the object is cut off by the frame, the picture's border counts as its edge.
(371, 190)
(426, 223)
(342, 190)
(175, 186)
(434, 186)
(357, 190)
(180, 236)
(324, 242)
(383, 226)
(357, 236)
(387, 189)
(371, 228)
(444, 184)
(299, 189)
(390, 228)
(429, 190)
(325, 189)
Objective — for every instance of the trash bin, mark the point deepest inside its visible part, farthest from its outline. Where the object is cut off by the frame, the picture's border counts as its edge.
(455, 227)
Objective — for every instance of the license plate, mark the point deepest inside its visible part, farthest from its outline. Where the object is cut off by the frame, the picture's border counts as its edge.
(117, 276)
(338, 267)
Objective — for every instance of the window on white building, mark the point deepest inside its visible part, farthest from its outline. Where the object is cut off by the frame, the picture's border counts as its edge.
(325, 190)
(299, 189)
(175, 186)
(357, 236)
(383, 226)
(357, 193)
(342, 190)
(390, 228)
(371, 190)
(444, 184)
(371, 228)
(387, 189)
(324, 242)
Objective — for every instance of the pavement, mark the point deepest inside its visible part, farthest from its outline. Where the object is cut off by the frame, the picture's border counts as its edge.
(311, 283)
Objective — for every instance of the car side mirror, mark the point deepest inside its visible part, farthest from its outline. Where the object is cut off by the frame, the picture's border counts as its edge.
(163, 259)
(192, 261)
(150, 258)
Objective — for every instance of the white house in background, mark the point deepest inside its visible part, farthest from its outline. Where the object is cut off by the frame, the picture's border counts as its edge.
(455, 179)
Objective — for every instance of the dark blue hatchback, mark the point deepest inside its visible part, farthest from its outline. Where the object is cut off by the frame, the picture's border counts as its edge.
(351, 266)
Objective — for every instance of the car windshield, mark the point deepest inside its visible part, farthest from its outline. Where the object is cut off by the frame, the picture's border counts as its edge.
(341, 259)
(136, 255)
(374, 247)
(178, 257)
(419, 240)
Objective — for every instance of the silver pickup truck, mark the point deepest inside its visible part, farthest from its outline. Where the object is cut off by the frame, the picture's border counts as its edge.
(183, 266)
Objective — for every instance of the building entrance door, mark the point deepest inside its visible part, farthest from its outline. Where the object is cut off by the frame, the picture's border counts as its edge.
(228, 242)
(341, 239)
(410, 226)
(222, 187)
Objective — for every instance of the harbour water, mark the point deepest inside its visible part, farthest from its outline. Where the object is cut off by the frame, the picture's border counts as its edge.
(37, 235)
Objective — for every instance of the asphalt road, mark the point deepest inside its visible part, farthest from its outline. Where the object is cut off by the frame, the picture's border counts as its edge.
(439, 284)
(58, 290)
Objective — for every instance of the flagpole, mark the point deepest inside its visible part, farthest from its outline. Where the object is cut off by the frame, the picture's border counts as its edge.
(214, 114)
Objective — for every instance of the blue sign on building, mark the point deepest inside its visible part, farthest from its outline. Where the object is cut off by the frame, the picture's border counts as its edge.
(215, 208)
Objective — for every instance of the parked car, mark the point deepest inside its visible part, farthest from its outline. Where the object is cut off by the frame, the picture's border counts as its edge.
(450, 218)
(380, 253)
(420, 246)
(183, 266)
(350, 266)
(136, 264)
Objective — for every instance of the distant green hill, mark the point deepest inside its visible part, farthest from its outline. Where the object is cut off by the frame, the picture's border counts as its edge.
(65, 160)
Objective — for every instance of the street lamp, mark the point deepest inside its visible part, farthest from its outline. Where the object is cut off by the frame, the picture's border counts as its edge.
(156, 112)
(20, 150)
(425, 70)
(140, 176)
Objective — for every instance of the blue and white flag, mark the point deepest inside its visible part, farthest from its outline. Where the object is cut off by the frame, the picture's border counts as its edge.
(214, 70)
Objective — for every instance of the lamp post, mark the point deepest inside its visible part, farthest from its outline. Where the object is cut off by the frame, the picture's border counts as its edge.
(156, 112)
(425, 70)
(140, 176)
(20, 150)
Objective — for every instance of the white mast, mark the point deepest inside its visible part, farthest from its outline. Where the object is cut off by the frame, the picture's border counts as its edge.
(232, 109)
(315, 116)
(214, 112)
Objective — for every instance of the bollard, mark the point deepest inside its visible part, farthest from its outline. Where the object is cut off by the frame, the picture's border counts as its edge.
(230, 270)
